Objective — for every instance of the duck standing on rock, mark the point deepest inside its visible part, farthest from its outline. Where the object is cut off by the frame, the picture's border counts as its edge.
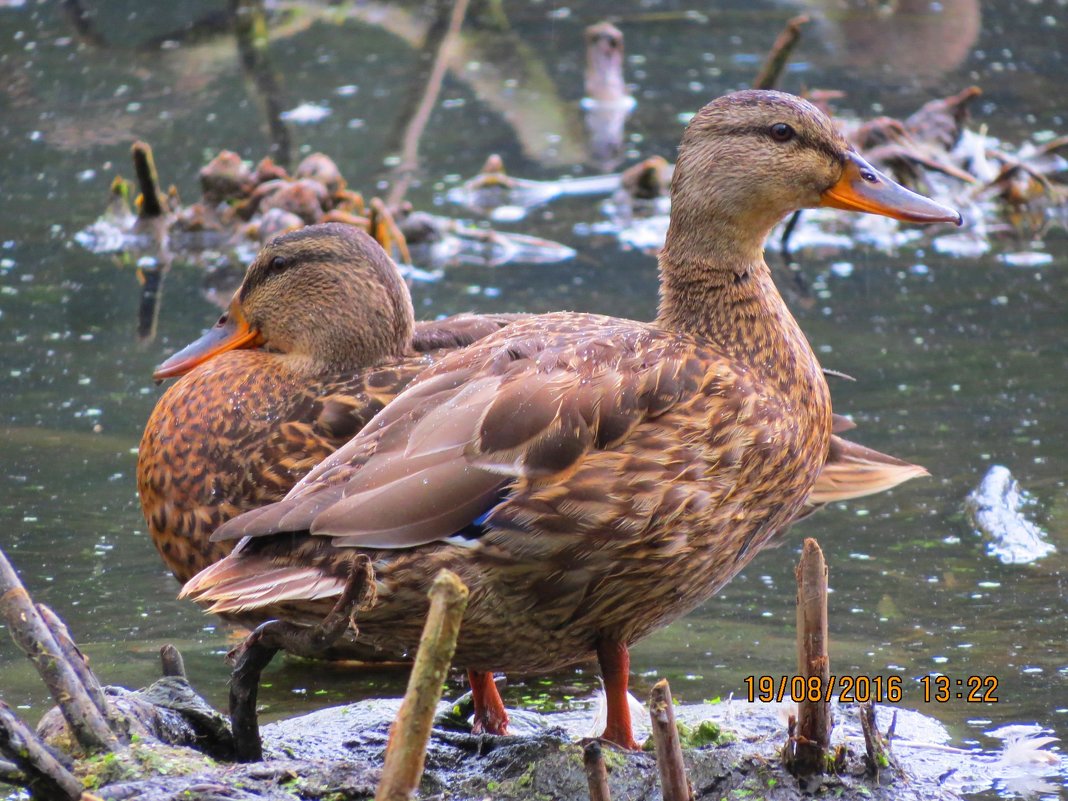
(589, 478)
(318, 338)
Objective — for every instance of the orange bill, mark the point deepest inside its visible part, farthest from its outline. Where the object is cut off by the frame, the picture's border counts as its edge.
(864, 188)
(230, 333)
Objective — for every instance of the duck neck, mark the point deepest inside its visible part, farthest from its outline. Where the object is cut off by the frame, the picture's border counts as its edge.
(727, 296)
(343, 351)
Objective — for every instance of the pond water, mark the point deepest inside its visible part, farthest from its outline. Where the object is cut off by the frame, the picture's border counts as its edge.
(961, 363)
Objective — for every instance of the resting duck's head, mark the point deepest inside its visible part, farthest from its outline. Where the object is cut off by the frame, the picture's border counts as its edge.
(750, 158)
(327, 293)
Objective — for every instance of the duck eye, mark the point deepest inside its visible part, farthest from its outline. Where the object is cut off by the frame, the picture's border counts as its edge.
(781, 132)
(277, 264)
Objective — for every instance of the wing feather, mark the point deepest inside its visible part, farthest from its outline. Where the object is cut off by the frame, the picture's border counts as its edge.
(854, 471)
(520, 405)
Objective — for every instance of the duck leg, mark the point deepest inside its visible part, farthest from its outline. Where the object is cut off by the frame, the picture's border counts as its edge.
(256, 652)
(490, 715)
(614, 659)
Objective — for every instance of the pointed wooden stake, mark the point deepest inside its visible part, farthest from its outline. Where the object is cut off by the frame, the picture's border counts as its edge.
(674, 785)
(812, 737)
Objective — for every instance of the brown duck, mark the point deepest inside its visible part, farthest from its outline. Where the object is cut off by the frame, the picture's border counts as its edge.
(590, 478)
(318, 338)
(260, 403)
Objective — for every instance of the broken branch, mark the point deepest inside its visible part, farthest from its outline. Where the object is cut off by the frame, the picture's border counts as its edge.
(596, 771)
(256, 652)
(674, 784)
(813, 734)
(411, 730)
(31, 633)
(45, 775)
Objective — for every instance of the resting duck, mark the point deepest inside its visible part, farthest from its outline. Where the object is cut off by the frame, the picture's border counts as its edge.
(318, 338)
(205, 458)
(589, 478)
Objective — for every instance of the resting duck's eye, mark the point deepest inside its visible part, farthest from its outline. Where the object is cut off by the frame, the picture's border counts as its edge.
(277, 264)
(781, 132)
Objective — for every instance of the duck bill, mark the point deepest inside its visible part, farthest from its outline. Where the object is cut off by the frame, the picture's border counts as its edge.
(864, 188)
(230, 333)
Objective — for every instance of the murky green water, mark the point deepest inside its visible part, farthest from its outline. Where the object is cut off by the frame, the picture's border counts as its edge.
(961, 363)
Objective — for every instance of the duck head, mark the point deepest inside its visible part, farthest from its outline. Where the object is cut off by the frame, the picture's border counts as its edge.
(326, 294)
(750, 158)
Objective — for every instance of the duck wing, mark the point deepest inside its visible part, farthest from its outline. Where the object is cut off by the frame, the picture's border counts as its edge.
(525, 405)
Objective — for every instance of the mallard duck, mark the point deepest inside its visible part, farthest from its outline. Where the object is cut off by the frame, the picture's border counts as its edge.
(318, 338)
(589, 478)
(205, 458)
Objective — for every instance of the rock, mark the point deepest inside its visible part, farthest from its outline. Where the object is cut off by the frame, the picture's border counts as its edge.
(733, 751)
(995, 510)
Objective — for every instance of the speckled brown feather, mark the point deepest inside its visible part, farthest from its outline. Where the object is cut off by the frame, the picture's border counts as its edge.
(642, 466)
(637, 454)
(240, 430)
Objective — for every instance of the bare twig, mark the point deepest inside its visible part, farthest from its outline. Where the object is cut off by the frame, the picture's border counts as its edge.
(33, 636)
(813, 734)
(876, 747)
(409, 155)
(45, 775)
(674, 785)
(411, 730)
(780, 54)
(171, 662)
(80, 664)
(596, 771)
(256, 652)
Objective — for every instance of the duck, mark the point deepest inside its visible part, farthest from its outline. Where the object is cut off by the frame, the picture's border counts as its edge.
(258, 404)
(589, 478)
(317, 339)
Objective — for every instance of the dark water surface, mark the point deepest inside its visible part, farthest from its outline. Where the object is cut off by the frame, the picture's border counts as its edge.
(961, 363)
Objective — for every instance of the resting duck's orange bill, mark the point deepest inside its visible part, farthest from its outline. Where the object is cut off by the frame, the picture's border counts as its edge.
(230, 333)
(864, 188)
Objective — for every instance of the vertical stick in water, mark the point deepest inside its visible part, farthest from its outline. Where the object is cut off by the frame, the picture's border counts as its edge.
(411, 730)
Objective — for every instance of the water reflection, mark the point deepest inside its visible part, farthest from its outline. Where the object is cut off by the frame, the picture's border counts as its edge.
(910, 40)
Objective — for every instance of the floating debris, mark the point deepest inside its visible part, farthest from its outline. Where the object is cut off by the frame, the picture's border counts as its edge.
(1027, 258)
(494, 188)
(965, 245)
(242, 207)
(307, 114)
(1025, 744)
(445, 242)
(994, 508)
(1001, 190)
